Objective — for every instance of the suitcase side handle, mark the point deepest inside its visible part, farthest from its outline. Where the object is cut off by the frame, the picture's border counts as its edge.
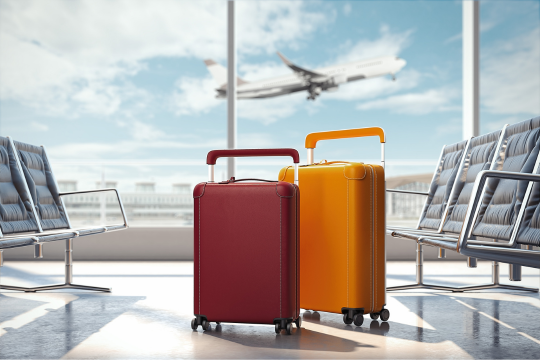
(313, 138)
(216, 154)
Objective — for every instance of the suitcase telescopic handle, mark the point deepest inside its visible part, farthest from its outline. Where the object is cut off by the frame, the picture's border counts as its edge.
(313, 138)
(216, 154)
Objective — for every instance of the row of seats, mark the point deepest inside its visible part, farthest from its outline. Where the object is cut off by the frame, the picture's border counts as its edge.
(475, 202)
(31, 208)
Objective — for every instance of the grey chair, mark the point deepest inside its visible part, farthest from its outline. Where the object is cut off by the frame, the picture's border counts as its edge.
(32, 177)
(440, 190)
(477, 155)
(495, 210)
(16, 207)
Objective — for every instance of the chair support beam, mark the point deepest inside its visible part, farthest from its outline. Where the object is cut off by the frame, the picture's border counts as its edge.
(495, 284)
(68, 284)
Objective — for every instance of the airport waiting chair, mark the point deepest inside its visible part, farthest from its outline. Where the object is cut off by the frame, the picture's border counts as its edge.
(477, 156)
(495, 210)
(439, 192)
(32, 181)
(16, 214)
(526, 232)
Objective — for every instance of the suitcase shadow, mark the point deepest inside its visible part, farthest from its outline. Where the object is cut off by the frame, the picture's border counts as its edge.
(369, 326)
(300, 339)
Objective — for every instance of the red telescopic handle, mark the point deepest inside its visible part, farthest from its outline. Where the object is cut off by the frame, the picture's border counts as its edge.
(215, 154)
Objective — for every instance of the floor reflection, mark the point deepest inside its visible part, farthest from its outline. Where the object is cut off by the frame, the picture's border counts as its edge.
(148, 316)
(300, 339)
(57, 332)
(11, 307)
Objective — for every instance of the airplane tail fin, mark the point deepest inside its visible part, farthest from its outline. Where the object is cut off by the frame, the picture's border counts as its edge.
(219, 73)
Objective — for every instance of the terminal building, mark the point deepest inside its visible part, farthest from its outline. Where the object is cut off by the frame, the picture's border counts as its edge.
(144, 207)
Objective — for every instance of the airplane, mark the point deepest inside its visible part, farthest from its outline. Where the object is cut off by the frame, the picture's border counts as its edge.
(313, 81)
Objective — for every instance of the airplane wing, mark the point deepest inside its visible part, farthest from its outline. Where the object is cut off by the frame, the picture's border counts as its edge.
(307, 74)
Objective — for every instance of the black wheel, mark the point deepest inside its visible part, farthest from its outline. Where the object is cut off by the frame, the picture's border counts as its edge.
(194, 324)
(347, 320)
(278, 329)
(205, 325)
(374, 316)
(316, 316)
(289, 328)
(385, 315)
(218, 322)
(298, 322)
(358, 319)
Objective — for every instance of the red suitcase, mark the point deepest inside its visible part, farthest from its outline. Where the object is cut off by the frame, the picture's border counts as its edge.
(246, 248)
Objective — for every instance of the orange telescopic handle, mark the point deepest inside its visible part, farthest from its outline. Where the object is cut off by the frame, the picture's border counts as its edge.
(313, 138)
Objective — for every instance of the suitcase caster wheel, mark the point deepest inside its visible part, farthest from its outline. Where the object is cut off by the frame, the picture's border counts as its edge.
(205, 325)
(347, 320)
(194, 324)
(278, 329)
(298, 322)
(374, 316)
(218, 322)
(385, 315)
(289, 328)
(358, 319)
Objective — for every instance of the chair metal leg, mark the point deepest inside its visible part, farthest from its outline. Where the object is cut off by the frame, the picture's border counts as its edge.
(68, 277)
(419, 276)
(495, 274)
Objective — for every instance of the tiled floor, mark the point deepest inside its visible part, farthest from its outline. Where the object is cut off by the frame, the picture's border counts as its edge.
(148, 315)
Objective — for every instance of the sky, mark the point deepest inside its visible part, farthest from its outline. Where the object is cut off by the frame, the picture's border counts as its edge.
(119, 87)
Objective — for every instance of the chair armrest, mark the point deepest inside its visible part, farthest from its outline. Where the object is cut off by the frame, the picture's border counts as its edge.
(479, 184)
(101, 190)
(407, 192)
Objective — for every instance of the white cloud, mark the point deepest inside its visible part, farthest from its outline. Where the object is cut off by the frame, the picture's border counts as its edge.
(126, 147)
(387, 44)
(142, 131)
(453, 38)
(266, 26)
(510, 75)
(79, 57)
(434, 100)
(347, 8)
(270, 110)
(194, 96)
(39, 126)
(255, 140)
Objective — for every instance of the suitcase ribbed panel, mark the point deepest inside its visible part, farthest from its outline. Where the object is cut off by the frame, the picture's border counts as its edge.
(342, 242)
(246, 252)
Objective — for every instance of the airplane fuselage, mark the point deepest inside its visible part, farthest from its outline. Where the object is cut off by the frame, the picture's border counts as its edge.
(329, 80)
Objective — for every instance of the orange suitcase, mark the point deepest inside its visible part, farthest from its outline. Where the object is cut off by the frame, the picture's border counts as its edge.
(342, 232)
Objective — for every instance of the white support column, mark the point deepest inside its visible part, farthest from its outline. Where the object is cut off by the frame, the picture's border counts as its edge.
(471, 61)
(231, 88)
